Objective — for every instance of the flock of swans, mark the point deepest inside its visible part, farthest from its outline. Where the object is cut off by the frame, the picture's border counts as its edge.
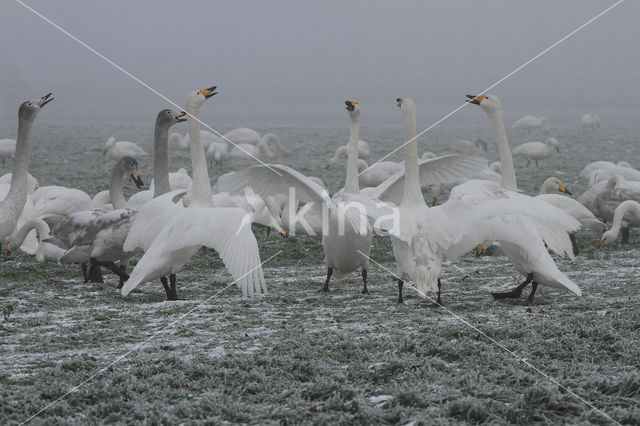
(168, 223)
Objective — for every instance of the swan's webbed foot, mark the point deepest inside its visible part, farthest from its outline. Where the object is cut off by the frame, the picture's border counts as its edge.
(364, 280)
(516, 292)
(325, 289)
(534, 287)
(400, 299)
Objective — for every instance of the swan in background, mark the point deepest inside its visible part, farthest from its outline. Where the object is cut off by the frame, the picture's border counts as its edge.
(248, 151)
(342, 151)
(554, 230)
(117, 150)
(178, 142)
(171, 235)
(59, 200)
(7, 149)
(626, 215)
(377, 173)
(462, 146)
(616, 191)
(244, 135)
(179, 179)
(536, 150)
(428, 155)
(17, 239)
(491, 173)
(604, 170)
(217, 152)
(590, 121)
(32, 183)
(13, 203)
(531, 123)
(253, 204)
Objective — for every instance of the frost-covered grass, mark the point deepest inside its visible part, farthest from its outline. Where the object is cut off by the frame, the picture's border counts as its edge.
(301, 356)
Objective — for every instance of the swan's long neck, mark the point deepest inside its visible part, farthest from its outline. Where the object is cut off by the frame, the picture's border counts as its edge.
(161, 158)
(17, 195)
(43, 231)
(412, 195)
(115, 187)
(351, 184)
(201, 186)
(504, 151)
(622, 209)
(273, 137)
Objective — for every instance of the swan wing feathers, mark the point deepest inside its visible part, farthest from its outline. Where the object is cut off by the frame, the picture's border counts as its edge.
(445, 169)
(574, 209)
(152, 218)
(271, 180)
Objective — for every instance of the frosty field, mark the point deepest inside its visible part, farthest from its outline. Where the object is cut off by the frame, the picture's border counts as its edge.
(301, 356)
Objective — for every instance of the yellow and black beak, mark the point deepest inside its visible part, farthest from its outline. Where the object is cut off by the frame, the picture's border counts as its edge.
(476, 99)
(602, 243)
(43, 100)
(207, 93)
(5, 250)
(479, 250)
(284, 233)
(351, 105)
(178, 115)
(564, 189)
(399, 102)
(135, 176)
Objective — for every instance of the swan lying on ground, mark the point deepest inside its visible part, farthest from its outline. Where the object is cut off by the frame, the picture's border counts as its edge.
(590, 121)
(531, 123)
(536, 150)
(244, 135)
(626, 215)
(117, 150)
(603, 170)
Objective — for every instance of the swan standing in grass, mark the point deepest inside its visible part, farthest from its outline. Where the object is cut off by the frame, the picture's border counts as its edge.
(171, 234)
(342, 151)
(96, 236)
(13, 203)
(590, 121)
(536, 150)
(244, 135)
(117, 150)
(539, 268)
(626, 215)
(531, 123)
(616, 191)
(462, 146)
(7, 149)
(45, 250)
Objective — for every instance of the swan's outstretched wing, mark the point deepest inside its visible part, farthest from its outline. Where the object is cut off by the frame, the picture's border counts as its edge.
(226, 230)
(152, 218)
(448, 168)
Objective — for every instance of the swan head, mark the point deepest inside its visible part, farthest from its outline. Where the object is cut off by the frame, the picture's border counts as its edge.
(609, 237)
(481, 143)
(428, 155)
(624, 164)
(129, 166)
(167, 118)
(406, 104)
(29, 109)
(553, 142)
(489, 103)
(553, 185)
(196, 98)
(362, 165)
(353, 108)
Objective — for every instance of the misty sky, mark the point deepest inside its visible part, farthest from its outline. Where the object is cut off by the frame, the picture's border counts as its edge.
(279, 59)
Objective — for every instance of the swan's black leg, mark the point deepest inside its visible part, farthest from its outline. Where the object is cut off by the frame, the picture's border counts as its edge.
(123, 270)
(400, 284)
(516, 292)
(326, 283)
(172, 281)
(574, 243)
(625, 235)
(85, 275)
(118, 270)
(438, 299)
(537, 164)
(268, 231)
(534, 287)
(165, 284)
(528, 162)
(364, 280)
(95, 276)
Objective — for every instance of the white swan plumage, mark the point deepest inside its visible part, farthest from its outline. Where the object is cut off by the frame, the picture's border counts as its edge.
(342, 151)
(118, 149)
(461, 146)
(590, 121)
(626, 215)
(244, 135)
(7, 149)
(536, 150)
(531, 123)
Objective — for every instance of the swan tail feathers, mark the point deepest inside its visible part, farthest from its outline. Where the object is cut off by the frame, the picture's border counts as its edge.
(425, 280)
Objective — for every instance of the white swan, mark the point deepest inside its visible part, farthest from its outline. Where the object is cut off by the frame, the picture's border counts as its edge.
(32, 183)
(616, 191)
(184, 230)
(13, 203)
(248, 151)
(604, 170)
(59, 200)
(218, 152)
(626, 215)
(117, 150)
(377, 173)
(536, 150)
(491, 173)
(17, 239)
(342, 151)
(531, 123)
(462, 146)
(244, 135)
(590, 121)
(7, 149)
(538, 268)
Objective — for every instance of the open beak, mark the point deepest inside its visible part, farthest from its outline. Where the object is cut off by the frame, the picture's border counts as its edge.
(351, 105)
(476, 99)
(135, 176)
(564, 189)
(207, 93)
(399, 102)
(178, 115)
(602, 243)
(43, 100)
(284, 233)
